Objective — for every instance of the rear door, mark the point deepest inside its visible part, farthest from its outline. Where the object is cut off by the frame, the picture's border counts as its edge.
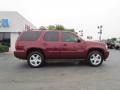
(51, 44)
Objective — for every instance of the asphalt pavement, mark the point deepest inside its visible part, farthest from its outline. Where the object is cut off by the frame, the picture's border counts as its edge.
(15, 74)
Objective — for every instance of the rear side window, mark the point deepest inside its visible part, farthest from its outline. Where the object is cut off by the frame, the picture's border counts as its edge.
(30, 36)
(51, 36)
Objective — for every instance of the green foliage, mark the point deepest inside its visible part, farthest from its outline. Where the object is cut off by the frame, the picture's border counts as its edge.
(3, 48)
(72, 30)
(56, 27)
(60, 27)
(51, 27)
(113, 39)
(5, 44)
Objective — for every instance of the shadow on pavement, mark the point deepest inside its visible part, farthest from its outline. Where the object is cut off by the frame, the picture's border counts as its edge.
(57, 64)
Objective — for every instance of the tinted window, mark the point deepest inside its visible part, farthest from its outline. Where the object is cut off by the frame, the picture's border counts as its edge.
(51, 36)
(30, 36)
(69, 37)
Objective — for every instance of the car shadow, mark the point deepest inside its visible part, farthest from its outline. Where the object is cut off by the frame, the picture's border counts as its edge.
(24, 65)
(65, 64)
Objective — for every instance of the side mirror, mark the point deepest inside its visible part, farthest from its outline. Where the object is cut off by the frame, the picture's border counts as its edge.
(78, 40)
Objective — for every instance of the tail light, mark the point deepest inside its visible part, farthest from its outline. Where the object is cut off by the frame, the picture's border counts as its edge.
(18, 46)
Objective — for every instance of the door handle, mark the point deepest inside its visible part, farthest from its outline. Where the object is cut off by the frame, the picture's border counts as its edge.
(45, 44)
(64, 44)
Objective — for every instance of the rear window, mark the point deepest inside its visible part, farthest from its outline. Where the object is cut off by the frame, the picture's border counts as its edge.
(30, 36)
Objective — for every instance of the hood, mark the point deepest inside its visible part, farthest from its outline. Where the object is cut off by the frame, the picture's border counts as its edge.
(95, 43)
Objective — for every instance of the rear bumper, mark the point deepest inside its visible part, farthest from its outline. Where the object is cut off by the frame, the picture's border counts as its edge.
(106, 54)
(20, 54)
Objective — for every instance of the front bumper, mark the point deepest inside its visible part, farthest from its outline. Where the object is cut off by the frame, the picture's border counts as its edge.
(106, 54)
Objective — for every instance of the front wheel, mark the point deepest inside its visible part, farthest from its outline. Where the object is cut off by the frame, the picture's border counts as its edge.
(35, 59)
(95, 58)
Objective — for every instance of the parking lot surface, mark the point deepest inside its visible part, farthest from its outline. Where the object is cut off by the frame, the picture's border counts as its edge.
(15, 74)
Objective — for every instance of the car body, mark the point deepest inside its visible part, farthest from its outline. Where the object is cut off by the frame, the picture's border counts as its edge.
(117, 45)
(111, 45)
(50, 45)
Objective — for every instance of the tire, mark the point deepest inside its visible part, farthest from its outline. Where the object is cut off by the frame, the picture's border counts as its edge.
(95, 58)
(117, 47)
(35, 59)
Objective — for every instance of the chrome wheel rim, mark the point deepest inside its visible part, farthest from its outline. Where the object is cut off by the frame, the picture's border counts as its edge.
(35, 60)
(95, 59)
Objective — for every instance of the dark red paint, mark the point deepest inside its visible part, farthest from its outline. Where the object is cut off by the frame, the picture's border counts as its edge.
(59, 49)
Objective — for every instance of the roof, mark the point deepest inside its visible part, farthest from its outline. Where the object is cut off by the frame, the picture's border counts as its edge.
(16, 21)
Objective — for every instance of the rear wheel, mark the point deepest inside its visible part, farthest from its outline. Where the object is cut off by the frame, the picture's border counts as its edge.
(35, 59)
(95, 58)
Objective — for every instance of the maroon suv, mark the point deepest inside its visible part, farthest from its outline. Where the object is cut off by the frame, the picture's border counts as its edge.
(39, 46)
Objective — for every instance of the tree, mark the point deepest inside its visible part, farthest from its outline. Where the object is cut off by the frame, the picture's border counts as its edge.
(60, 27)
(56, 27)
(72, 30)
(113, 39)
(51, 27)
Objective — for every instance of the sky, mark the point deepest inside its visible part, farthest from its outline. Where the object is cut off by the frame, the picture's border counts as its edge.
(83, 15)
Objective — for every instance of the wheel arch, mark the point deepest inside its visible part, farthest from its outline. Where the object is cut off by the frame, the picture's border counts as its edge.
(35, 49)
(96, 49)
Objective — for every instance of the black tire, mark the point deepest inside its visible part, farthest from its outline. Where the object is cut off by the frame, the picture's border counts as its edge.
(37, 61)
(95, 61)
(117, 47)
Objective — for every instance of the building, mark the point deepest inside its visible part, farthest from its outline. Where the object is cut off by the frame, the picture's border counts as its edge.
(11, 24)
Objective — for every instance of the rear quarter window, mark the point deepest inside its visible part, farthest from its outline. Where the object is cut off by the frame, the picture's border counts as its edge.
(30, 36)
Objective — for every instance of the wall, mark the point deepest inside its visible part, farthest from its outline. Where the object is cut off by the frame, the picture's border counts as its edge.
(14, 36)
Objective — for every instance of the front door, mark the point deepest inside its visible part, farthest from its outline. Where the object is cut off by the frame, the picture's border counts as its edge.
(70, 47)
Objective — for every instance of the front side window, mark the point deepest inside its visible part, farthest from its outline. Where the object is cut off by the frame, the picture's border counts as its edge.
(69, 37)
(51, 36)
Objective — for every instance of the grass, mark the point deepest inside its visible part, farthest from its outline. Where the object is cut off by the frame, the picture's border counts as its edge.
(3, 48)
